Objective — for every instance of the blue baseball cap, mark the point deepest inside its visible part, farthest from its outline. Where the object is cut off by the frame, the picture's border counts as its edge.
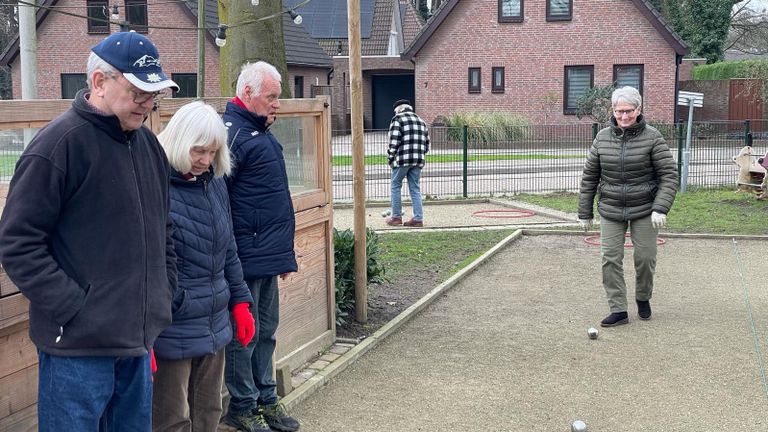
(137, 58)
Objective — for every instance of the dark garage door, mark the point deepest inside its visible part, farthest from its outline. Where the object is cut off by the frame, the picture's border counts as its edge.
(386, 90)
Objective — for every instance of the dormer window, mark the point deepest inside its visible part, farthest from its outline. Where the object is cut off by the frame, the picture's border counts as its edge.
(559, 10)
(510, 10)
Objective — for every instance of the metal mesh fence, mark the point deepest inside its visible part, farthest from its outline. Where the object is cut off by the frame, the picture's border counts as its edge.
(475, 162)
(471, 162)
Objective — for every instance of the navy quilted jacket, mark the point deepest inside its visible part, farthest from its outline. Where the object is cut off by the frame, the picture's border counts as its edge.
(262, 210)
(209, 272)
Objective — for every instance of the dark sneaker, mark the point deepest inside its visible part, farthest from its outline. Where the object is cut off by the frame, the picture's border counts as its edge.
(644, 309)
(248, 422)
(414, 223)
(394, 221)
(615, 319)
(278, 419)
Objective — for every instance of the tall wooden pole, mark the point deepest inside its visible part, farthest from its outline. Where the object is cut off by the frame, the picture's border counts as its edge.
(358, 160)
(200, 48)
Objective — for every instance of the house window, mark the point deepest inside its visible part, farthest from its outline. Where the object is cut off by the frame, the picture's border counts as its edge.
(136, 14)
(497, 84)
(298, 86)
(578, 79)
(71, 84)
(559, 10)
(474, 80)
(187, 85)
(97, 16)
(628, 75)
(510, 10)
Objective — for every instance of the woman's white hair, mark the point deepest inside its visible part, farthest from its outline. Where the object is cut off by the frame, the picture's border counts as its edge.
(252, 74)
(97, 63)
(196, 124)
(628, 95)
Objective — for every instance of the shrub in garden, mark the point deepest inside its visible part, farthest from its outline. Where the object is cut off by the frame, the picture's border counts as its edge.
(487, 127)
(344, 268)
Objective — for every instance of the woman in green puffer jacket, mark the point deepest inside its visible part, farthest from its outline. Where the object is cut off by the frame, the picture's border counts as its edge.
(631, 171)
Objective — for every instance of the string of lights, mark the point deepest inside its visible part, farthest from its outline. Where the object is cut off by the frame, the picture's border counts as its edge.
(220, 29)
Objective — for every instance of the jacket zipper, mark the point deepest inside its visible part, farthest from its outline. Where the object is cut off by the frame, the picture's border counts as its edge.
(213, 261)
(144, 237)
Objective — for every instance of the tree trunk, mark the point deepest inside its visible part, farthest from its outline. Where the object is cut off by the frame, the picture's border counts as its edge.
(250, 40)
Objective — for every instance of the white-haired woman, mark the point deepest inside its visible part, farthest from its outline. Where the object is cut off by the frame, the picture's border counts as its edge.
(631, 171)
(190, 353)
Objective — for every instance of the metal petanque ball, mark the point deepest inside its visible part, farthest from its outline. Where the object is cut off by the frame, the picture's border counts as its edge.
(592, 333)
(579, 426)
(386, 213)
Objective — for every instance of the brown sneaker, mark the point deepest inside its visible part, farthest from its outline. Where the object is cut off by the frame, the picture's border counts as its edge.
(414, 223)
(394, 221)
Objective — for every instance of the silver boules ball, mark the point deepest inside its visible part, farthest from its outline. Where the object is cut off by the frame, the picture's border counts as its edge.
(592, 333)
(578, 426)
(386, 213)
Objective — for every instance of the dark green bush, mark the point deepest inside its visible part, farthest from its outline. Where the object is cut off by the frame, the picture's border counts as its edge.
(731, 69)
(344, 268)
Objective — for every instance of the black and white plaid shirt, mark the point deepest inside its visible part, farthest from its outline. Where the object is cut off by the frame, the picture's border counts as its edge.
(408, 140)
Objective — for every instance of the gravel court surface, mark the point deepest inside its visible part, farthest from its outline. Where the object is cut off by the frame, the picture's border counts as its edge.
(506, 349)
(446, 214)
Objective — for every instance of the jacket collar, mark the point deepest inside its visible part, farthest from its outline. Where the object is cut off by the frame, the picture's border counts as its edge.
(259, 121)
(110, 124)
(631, 131)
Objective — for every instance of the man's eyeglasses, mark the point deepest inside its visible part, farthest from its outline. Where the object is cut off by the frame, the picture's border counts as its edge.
(140, 97)
(619, 113)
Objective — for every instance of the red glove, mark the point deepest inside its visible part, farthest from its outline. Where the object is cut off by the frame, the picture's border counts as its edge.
(244, 326)
(152, 362)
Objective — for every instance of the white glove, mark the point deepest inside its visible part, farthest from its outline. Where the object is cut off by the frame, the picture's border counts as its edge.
(658, 220)
(586, 224)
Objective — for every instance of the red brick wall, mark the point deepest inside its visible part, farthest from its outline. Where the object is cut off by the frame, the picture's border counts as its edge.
(64, 45)
(715, 99)
(312, 76)
(534, 53)
(371, 65)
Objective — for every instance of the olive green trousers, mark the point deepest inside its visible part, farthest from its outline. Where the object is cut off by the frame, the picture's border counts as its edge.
(612, 240)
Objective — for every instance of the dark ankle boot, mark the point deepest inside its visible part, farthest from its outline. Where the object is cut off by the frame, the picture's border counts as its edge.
(644, 309)
(615, 319)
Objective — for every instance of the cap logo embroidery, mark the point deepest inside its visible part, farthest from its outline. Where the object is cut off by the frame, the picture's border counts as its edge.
(147, 60)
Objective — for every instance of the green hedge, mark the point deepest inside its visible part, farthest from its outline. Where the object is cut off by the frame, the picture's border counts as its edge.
(728, 69)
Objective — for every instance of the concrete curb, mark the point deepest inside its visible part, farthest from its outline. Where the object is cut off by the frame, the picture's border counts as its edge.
(317, 381)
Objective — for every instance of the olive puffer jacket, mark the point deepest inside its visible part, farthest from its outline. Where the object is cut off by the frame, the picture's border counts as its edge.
(631, 171)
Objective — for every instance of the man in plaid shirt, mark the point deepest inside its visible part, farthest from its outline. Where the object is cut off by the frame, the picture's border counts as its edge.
(408, 146)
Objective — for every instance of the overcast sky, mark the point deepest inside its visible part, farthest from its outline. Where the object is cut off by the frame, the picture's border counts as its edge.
(755, 4)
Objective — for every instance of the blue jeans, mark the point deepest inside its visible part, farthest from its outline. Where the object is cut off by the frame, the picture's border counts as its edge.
(248, 369)
(90, 394)
(414, 174)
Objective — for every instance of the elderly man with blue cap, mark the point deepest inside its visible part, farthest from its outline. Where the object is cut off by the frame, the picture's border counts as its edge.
(86, 236)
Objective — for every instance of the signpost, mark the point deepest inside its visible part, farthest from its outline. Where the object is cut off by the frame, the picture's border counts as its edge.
(691, 100)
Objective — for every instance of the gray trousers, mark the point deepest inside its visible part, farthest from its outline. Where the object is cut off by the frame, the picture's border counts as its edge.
(187, 394)
(644, 237)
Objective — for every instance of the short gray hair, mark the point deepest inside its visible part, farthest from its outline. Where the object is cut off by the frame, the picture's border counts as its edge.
(97, 63)
(252, 74)
(628, 95)
(196, 124)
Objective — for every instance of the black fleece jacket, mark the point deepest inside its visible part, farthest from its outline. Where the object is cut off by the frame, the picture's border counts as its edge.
(86, 236)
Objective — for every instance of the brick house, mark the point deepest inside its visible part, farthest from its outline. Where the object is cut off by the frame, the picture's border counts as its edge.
(386, 28)
(535, 57)
(64, 42)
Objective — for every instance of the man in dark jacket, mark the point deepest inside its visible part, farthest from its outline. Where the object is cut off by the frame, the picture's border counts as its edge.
(634, 177)
(408, 147)
(86, 237)
(263, 220)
